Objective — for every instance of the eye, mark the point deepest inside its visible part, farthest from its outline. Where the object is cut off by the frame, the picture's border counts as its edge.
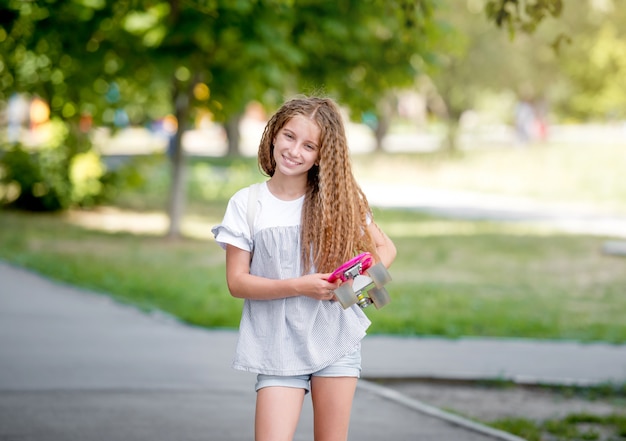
(288, 135)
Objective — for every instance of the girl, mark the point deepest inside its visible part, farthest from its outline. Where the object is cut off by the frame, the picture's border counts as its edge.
(281, 245)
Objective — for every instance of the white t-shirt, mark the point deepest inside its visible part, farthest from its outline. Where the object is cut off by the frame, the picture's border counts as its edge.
(293, 335)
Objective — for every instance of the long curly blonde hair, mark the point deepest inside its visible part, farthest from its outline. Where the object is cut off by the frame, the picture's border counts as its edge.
(335, 211)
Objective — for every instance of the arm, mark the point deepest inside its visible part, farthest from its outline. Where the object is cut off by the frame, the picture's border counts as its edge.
(384, 246)
(242, 284)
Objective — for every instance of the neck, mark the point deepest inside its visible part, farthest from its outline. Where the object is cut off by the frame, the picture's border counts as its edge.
(287, 189)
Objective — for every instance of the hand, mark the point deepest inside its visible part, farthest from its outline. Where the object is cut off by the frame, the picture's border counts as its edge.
(317, 286)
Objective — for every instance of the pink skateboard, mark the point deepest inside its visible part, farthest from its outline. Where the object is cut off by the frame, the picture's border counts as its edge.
(355, 282)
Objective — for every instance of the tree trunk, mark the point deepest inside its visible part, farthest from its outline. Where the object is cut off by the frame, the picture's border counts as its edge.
(176, 206)
(451, 140)
(233, 135)
(382, 127)
(385, 109)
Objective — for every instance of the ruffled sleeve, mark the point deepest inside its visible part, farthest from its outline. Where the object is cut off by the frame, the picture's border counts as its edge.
(234, 229)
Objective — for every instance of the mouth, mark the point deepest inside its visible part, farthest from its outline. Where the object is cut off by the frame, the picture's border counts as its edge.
(289, 161)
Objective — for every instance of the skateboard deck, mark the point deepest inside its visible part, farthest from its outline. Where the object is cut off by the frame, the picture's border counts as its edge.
(363, 282)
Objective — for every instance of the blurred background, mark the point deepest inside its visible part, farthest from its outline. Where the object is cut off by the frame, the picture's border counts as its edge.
(488, 134)
(87, 83)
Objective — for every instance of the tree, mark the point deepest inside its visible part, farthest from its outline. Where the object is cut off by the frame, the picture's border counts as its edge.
(383, 45)
(145, 56)
(543, 62)
(212, 47)
(477, 59)
(150, 54)
(596, 88)
(220, 55)
(55, 57)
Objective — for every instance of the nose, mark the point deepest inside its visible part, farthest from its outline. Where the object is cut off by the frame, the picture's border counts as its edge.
(295, 148)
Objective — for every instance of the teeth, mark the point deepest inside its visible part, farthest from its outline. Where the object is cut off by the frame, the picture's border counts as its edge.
(291, 161)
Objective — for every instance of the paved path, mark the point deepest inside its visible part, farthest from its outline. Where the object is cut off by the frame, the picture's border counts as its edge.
(75, 365)
(483, 206)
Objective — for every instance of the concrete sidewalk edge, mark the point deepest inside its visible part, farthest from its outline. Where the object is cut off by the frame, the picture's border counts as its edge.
(397, 397)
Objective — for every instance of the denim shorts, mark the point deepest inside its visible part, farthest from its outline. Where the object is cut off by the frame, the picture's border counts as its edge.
(347, 366)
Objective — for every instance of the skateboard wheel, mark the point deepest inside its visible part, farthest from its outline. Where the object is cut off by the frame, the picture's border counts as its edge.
(380, 297)
(379, 275)
(346, 296)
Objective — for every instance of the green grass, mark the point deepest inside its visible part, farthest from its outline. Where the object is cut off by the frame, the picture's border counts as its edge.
(183, 278)
(573, 426)
(606, 423)
(477, 279)
(576, 426)
(494, 279)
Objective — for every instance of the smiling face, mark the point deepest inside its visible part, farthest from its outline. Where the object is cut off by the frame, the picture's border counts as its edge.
(297, 146)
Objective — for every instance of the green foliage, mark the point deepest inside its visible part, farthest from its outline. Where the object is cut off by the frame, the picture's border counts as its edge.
(479, 59)
(211, 181)
(145, 57)
(521, 427)
(54, 176)
(541, 62)
(577, 426)
(524, 15)
(597, 86)
(75, 53)
(50, 178)
(85, 173)
(384, 45)
(56, 50)
(36, 181)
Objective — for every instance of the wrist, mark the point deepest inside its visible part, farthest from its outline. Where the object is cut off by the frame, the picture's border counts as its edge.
(294, 287)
